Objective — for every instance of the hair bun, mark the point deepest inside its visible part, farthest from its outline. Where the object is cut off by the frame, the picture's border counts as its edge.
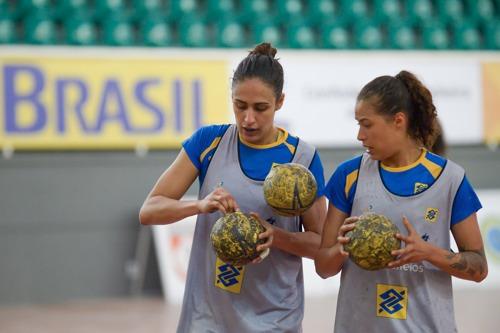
(264, 49)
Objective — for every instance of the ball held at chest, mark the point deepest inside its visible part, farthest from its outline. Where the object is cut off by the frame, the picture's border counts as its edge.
(290, 189)
(235, 237)
(371, 241)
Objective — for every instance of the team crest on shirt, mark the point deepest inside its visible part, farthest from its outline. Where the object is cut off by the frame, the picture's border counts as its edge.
(419, 187)
(228, 277)
(392, 301)
(431, 215)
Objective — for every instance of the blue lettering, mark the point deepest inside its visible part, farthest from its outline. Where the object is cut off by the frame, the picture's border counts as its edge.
(61, 105)
(178, 105)
(13, 99)
(112, 93)
(197, 103)
(140, 95)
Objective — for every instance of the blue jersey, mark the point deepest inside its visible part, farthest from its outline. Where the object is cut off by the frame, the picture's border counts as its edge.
(404, 181)
(255, 160)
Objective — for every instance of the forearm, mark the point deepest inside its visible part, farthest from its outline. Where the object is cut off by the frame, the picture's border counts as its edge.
(302, 244)
(329, 261)
(467, 264)
(163, 210)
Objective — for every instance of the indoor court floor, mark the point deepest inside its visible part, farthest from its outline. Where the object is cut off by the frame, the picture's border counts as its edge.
(476, 311)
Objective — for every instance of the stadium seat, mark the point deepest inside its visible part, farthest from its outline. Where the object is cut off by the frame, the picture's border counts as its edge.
(492, 35)
(435, 36)
(110, 8)
(323, 11)
(8, 9)
(195, 32)
(335, 35)
(301, 36)
(481, 10)
(69, 8)
(156, 32)
(8, 32)
(222, 9)
(80, 31)
(34, 6)
(267, 31)
(40, 28)
(450, 10)
(355, 10)
(118, 32)
(420, 11)
(368, 35)
(388, 10)
(230, 33)
(466, 36)
(183, 8)
(402, 35)
(290, 10)
(256, 10)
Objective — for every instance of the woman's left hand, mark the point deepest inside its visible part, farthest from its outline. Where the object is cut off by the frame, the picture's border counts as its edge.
(265, 248)
(415, 250)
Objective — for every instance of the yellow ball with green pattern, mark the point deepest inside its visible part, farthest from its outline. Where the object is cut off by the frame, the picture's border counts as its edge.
(371, 241)
(290, 189)
(235, 237)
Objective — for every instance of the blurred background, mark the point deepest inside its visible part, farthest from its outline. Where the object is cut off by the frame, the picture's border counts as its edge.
(97, 95)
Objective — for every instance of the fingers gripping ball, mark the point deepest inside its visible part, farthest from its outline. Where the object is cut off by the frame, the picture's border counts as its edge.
(235, 237)
(371, 241)
(290, 189)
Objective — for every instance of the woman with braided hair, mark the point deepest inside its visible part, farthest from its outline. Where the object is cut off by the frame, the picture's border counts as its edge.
(231, 163)
(424, 194)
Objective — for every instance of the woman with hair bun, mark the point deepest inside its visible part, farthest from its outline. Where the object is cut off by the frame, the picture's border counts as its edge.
(424, 194)
(231, 162)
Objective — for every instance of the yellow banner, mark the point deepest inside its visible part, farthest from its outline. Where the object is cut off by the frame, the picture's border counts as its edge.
(92, 103)
(491, 98)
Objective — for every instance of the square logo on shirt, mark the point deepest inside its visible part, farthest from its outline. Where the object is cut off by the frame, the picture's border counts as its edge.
(431, 215)
(392, 301)
(228, 277)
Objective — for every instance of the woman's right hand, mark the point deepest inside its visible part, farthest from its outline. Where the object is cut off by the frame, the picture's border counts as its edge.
(218, 199)
(348, 225)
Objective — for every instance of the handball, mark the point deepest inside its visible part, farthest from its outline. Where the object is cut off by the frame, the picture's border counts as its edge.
(290, 189)
(235, 237)
(371, 242)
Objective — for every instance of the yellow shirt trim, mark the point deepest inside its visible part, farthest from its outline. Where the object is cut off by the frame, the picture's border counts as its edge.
(349, 181)
(282, 136)
(433, 168)
(212, 146)
(420, 159)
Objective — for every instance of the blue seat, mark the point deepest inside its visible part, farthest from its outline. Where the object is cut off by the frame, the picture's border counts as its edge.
(80, 31)
(451, 11)
(435, 36)
(257, 11)
(388, 10)
(368, 35)
(301, 36)
(492, 35)
(8, 31)
(323, 11)
(195, 32)
(118, 32)
(156, 31)
(466, 36)
(355, 10)
(420, 11)
(402, 35)
(335, 35)
(482, 11)
(267, 31)
(230, 33)
(40, 28)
